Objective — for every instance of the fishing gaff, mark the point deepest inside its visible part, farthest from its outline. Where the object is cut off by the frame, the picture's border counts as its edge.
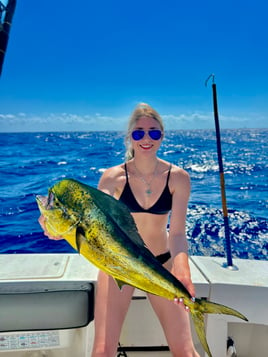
(222, 181)
(6, 15)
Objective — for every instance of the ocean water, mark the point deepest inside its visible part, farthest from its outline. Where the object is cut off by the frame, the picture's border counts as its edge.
(32, 162)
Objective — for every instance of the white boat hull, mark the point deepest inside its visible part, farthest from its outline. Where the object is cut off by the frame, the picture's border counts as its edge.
(41, 292)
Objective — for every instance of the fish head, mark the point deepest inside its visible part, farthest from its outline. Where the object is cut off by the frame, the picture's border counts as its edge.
(60, 218)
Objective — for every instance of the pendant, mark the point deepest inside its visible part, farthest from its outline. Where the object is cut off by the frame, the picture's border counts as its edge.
(148, 191)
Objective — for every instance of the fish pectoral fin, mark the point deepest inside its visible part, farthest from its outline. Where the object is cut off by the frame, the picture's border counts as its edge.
(80, 238)
(199, 324)
(120, 283)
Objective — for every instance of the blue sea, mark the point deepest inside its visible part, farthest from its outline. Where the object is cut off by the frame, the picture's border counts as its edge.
(30, 163)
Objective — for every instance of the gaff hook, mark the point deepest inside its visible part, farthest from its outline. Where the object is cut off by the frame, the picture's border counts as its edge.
(212, 75)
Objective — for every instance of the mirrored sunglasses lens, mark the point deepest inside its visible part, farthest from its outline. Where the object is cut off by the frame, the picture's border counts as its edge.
(155, 134)
(138, 134)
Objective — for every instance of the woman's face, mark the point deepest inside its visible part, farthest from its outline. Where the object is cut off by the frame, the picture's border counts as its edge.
(146, 145)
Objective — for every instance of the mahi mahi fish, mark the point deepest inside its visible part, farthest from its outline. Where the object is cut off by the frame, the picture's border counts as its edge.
(102, 229)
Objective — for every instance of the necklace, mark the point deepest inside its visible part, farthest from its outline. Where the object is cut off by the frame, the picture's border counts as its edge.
(148, 191)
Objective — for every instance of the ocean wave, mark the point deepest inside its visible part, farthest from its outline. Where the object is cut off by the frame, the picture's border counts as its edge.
(202, 168)
(206, 233)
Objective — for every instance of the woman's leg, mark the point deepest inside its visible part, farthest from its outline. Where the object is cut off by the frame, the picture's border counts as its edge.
(176, 324)
(111, 306)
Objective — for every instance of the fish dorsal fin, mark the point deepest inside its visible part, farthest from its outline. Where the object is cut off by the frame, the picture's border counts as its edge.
(120, 283)
(118, 212)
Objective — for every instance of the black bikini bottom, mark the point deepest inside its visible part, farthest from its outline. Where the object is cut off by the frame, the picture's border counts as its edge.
(163, 258)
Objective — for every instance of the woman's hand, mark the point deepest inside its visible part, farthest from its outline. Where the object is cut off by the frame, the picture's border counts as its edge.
(42, 222)
(188, 284)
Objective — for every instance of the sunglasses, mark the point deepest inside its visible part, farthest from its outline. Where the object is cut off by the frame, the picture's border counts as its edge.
(154, 134)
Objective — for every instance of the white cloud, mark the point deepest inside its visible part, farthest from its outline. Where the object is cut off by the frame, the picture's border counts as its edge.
(7, 116)
(59, 122)
(193, 120)
(200, 120)
(74, 122)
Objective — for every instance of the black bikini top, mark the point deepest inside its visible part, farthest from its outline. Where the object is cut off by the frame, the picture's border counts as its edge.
(162, 206)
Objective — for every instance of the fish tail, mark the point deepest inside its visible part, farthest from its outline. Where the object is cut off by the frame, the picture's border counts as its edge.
(199, 324)
(201, 307)
(209, 307)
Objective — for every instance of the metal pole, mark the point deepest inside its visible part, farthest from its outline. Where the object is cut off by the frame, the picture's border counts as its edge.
(229, 263)
(5, 26)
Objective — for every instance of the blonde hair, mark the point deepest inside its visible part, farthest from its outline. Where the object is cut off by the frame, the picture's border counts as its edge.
(142, 110)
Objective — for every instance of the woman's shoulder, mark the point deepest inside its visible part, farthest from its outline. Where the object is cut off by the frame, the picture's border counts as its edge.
(179, 178)
(179, 171)
(175, 171)
(114, 171)
(112, 179)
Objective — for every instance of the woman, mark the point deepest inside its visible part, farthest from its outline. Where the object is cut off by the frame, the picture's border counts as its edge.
(151, 188)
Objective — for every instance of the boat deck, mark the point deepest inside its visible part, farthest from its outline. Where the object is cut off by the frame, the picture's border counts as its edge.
(37, 290)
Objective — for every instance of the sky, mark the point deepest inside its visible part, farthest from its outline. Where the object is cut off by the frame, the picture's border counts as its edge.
(85, 65)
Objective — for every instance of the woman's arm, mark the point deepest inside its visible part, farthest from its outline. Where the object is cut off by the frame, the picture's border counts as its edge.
(178, 244)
